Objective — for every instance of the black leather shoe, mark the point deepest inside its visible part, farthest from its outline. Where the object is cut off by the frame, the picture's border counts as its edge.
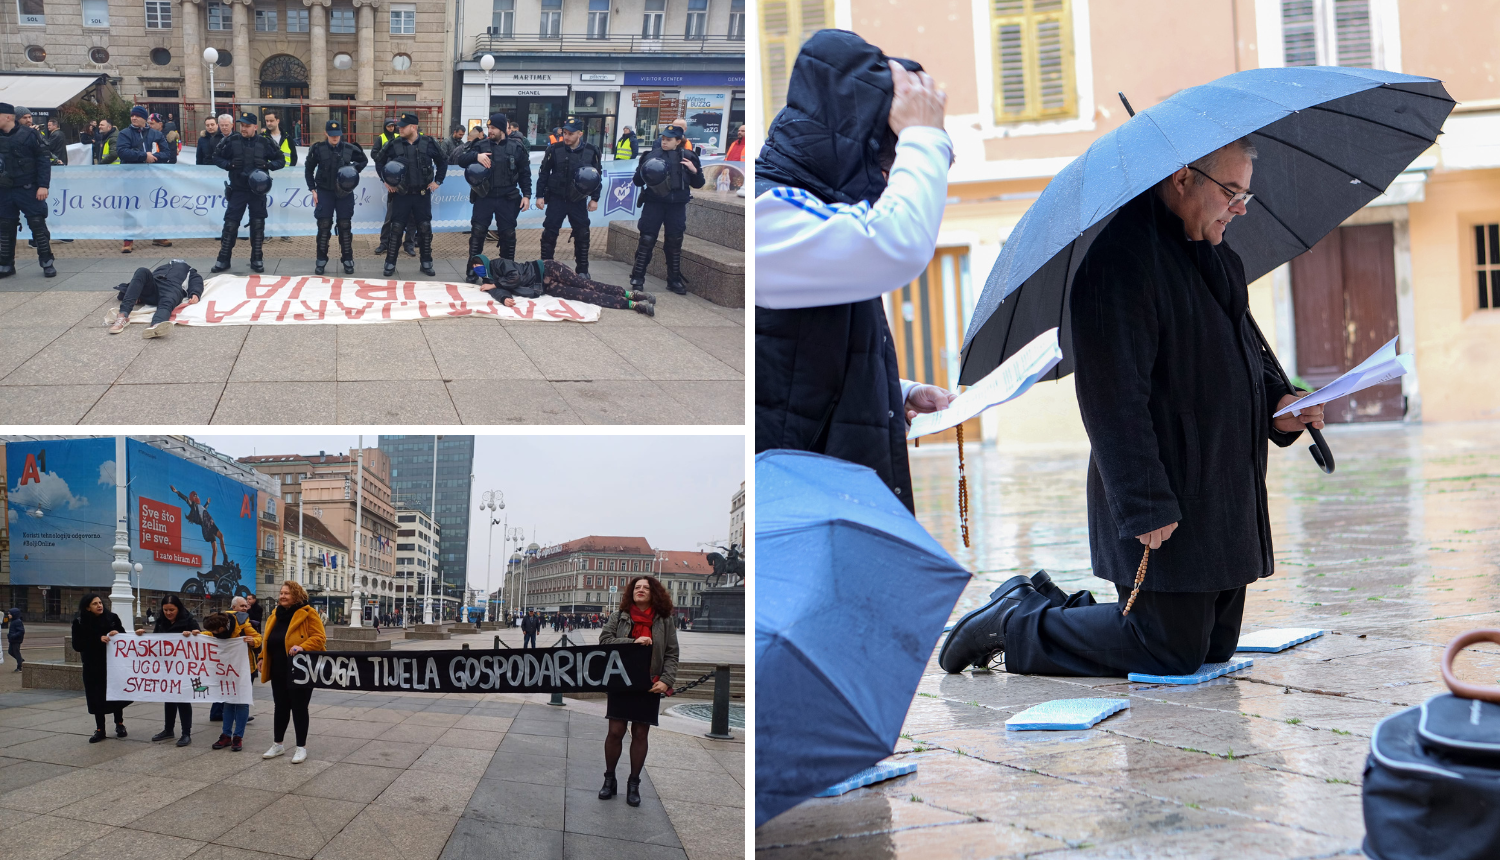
(1044, 586)
(163, 735)
(980, 635)
(633, 791)
(97, 736)
(119, 730)
(611, 787)
(184, 740)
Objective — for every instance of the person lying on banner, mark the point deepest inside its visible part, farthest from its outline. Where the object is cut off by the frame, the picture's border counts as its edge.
(507, 280)
(850, 189)
(171, 284)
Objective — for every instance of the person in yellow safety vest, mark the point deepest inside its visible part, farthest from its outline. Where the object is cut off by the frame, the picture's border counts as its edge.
(282, 141)
(107, 150)
(625, 149)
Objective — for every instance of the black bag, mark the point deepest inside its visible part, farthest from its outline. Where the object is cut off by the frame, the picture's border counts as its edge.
(1432, 779)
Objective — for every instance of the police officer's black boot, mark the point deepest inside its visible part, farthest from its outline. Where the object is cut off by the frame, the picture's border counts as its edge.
(41, 237)
(476, 246)
(346, 246)
(672, 248)
(411, 249)
(581, 252)
(226, 247)
(508, 244)
(549, 244)
(325, 231)
(393, 249)
(642, 260)
(257, 239)
(385, 234)
(8, 228)
(424, 240)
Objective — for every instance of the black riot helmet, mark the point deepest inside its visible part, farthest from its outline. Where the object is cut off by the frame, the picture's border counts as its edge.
(394, 174)
(656, 174)
(260, 181)
(347, 179)
(586, 179)
(478, 177)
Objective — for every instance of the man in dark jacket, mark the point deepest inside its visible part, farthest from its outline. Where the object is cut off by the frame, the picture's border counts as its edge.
(454, 141)
(57, 144)
(1177, 396)
(506, 191)
(557, 184)
(324, 161)
(25, 176)
(15, 634)
(529, 627)
(422, 170)
(209, 141)
(668, 189)
(241, 155)
(167, 286)
(826, 378)
(139, 143)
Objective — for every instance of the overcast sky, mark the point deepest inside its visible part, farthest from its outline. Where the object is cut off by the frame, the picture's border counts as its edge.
(673, 490)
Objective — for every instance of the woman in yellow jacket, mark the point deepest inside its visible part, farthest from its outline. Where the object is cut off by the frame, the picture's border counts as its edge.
(293, 627)
(222, 625)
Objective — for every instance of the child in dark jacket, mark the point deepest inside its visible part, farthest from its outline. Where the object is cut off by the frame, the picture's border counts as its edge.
(508, 280)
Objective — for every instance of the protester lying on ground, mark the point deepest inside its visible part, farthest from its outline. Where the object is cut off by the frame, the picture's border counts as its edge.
(171, 284)
(92, 627)
(222, 626)
(293, 627)
(644, 618)
(840, 222)
(174, 618)
(507, 280)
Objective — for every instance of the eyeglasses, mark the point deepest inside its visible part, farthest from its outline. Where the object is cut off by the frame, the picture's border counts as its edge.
(1234, 196)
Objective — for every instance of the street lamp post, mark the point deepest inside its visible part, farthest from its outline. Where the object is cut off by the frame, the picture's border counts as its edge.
(427, 611)
(491, 501)
(487, 62)
(211, 56)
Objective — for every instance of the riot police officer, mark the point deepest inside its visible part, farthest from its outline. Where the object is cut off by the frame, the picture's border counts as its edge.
(668, 172)
(25, 174)
(332, 174)
(499, 169)
(381, 141)
(558, 183)
(248, 157)
(412, 167)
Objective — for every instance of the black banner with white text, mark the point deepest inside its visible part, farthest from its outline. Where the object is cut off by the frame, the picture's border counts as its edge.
(572, 669)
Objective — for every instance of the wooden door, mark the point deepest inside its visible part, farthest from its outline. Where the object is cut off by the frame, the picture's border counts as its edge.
(1344, 300)
(928, 318)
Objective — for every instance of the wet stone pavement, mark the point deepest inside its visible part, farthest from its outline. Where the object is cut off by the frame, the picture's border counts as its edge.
(1393, 556)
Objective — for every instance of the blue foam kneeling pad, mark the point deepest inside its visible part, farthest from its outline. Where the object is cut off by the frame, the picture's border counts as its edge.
(1061, 715)
(870, 776)
(1206, 672)
(1276, 639)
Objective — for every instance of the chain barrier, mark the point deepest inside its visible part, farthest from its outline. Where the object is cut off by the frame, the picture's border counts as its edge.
(706, 675)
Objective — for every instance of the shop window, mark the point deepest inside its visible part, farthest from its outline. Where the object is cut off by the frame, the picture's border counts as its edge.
(654, 20)
(1487, 265)
(403, 20)
(503, 19)
(32, 12)
(697, 20)
(265, 20)
(96, 13)
(341, 20)
(158, 15)
(598, 19)
(296, 20)
(551, 19)
(1033, 44)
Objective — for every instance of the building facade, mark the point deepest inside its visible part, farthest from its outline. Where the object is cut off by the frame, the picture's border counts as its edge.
(577, 576)
(1032, 83)
(318, 560)
(737, 518)
(418, 542)
(608, 63)
(412, 485)
(684, 574)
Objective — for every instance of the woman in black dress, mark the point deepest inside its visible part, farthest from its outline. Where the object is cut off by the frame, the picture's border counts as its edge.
(92, 628)
(645, 618)
(175, 618)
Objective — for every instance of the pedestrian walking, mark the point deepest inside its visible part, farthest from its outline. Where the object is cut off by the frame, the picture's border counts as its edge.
(645, 618)
(668, 173)
(569, 179)
(139, 143)
(506, 281)
(498, 170)
(332, 174)
(293, 627)
(15, 634)
(235, 715)
(25, 174)
(92, 628)
(174, 618)
(171, 284)
(412, 167)
(247, 157)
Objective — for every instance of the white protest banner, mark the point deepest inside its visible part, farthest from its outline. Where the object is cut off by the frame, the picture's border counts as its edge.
(313, 300)
(1010, 380)
(171, 667)
(1383, 366)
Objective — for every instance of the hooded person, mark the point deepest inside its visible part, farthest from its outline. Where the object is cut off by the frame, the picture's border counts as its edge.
(850, 189)
(92, 627)
(506, 281)
(174, 618)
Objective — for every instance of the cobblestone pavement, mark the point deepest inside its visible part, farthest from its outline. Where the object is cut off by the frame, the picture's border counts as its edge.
(58, 365)
(1393, 555)
(388, 777)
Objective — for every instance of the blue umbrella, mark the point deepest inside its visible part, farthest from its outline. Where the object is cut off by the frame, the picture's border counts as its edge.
(1330, 139)
(851, 597)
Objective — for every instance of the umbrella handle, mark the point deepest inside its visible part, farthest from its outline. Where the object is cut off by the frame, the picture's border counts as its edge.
(1128, 109)
(1321, 453)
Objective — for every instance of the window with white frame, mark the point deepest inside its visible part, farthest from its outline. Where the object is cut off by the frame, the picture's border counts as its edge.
(403, 19)
(1327, 33)
(1033, 45)
(341, 20)
(33, 13)
(503, 19)
(697, 20)
(599, 19)
(158, 14)
(96, 13)
(265, 20)
(296, 20)
(654, 20)
(551, 19)
(737, 20)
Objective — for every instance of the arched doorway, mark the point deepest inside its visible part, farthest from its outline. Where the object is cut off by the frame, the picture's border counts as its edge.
(283, 77)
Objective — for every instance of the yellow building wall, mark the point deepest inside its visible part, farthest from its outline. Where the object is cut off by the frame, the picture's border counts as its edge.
(1458, 346)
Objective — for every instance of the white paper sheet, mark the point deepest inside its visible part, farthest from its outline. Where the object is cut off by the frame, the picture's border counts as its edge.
(1007, 382)
(1383, 366)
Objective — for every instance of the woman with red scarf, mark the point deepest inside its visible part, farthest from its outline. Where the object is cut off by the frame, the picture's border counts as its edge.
(645, 618)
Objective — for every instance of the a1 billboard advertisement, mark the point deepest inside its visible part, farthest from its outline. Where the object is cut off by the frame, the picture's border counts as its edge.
(60, 504)
(192, 530)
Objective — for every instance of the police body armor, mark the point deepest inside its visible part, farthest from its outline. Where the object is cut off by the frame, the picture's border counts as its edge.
(419, 170)
(17, 160)
(246, 157)
(565, 164)
(331, 168)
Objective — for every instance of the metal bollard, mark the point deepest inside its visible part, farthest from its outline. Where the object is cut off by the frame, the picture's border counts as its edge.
(497, 641)
(557, 697)
(719, 728)
(466, 646)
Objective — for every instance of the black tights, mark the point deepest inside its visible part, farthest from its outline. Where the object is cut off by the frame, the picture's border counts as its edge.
(615, 741)
(291, 706)
(119, 719)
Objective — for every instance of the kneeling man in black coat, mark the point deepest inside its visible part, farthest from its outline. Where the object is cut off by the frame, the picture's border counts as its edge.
(1177, 398)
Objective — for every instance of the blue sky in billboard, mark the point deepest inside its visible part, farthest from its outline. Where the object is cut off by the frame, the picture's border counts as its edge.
(60, 504)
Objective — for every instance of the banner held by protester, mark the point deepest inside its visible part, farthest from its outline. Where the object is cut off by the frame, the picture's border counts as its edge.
(170, 667)
(569, 669)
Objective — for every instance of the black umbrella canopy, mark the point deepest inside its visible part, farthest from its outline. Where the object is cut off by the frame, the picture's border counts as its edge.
(1330, 140)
